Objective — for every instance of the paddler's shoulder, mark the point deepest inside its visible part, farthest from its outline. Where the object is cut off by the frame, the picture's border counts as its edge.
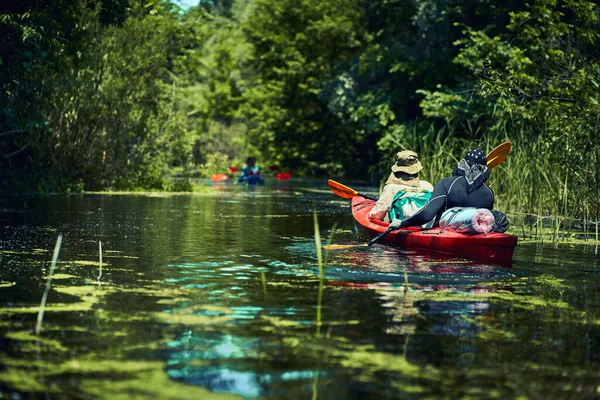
(447, 181)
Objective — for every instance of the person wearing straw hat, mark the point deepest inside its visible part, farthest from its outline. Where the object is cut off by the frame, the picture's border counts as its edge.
(403, 189)
(465, 188)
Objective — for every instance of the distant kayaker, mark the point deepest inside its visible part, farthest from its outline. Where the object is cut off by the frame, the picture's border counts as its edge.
(251, 172)
(465, 188)
(404, 193)
(251, 168)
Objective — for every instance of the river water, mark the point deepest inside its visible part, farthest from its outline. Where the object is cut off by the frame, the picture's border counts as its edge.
(216, 295)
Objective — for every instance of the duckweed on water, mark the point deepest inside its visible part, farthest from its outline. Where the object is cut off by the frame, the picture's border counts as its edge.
(551, 281)
(128, 379)
(36, 342)
(286, 326)
(57, 277)
(20, 380)
(366, 362)
(87, 297)
(185, 318)
(82, 263)
(152, 383)
(489, 332)
(56, 307)
(119, 256)
(87, 377)
(517, 300)
(32, 252)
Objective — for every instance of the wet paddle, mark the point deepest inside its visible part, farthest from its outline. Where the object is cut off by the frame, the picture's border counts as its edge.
(345, 191)
(343, 246)
(379, 237)
(494, 158)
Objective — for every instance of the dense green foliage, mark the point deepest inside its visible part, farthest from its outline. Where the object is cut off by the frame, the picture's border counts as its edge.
(114, 94)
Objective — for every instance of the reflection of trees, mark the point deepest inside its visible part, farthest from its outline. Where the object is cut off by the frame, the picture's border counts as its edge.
(399, 305)
(232, 223)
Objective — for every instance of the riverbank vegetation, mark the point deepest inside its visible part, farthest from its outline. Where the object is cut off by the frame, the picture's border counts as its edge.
(116, 94)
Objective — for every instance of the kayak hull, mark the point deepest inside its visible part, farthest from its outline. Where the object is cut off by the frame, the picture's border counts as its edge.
(251, 179)
(492, 247)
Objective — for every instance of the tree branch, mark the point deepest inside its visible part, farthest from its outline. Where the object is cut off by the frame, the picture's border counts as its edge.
(15, 131)
(14, 153)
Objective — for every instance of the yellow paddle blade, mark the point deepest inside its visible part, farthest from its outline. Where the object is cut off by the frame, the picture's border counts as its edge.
(341, 190)
(343, 246)
(498, 155)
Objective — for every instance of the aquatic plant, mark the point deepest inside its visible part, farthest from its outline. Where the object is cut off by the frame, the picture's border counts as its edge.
(38, 326)
(322, 262)
(100, 261)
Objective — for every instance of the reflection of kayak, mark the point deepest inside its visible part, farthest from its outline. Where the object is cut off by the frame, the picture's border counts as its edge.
(251, 179)
(494, 247)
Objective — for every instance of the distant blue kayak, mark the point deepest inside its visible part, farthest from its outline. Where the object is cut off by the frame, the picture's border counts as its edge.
(251, 179)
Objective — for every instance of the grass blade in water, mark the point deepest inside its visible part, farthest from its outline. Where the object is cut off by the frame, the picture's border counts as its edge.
(38, 325)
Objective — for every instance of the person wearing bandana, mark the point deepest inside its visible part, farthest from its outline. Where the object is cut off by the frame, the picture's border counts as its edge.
(465, 188)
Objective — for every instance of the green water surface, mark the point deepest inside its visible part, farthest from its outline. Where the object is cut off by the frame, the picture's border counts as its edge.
(216, 295)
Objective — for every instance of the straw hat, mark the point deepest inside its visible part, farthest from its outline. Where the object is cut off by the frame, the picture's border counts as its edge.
(407, 161)
(400, 178)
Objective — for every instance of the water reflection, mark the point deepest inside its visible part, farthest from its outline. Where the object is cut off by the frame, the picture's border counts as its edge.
(192, 360)
(220, 291)
(243, 362)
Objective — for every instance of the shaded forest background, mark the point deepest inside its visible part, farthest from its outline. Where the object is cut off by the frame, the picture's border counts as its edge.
(117, 94)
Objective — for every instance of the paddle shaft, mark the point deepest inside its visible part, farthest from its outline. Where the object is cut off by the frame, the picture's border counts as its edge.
(380, 236)
(366, 196)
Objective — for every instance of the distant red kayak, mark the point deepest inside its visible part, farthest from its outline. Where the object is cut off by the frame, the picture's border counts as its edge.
(219, 177)
(493, 247)
(283, 176)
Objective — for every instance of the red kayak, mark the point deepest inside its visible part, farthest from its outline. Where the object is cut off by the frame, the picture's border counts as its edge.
(492, 247)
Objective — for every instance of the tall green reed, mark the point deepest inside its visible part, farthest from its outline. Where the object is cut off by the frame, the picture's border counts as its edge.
(99, 262)
(40, 317)
(321, 263)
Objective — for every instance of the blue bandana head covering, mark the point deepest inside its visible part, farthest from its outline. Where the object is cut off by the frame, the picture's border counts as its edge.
(474, 168)
(476, 156)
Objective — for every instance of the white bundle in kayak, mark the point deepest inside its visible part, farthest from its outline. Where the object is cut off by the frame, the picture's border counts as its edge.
(468, 220)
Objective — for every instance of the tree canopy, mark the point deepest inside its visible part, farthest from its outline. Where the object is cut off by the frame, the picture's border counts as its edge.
(114, 94)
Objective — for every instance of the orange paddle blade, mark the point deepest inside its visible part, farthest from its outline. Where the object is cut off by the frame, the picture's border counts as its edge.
(343, 246)
(498, 155)
(219, 177)
(341, 190)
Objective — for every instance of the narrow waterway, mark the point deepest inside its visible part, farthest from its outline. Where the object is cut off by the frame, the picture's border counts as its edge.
(217, 294)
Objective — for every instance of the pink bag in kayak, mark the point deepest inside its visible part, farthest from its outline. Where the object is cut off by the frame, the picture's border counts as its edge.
(468, 220)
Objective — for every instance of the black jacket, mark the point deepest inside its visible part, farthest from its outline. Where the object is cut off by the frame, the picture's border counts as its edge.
(451, 192)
